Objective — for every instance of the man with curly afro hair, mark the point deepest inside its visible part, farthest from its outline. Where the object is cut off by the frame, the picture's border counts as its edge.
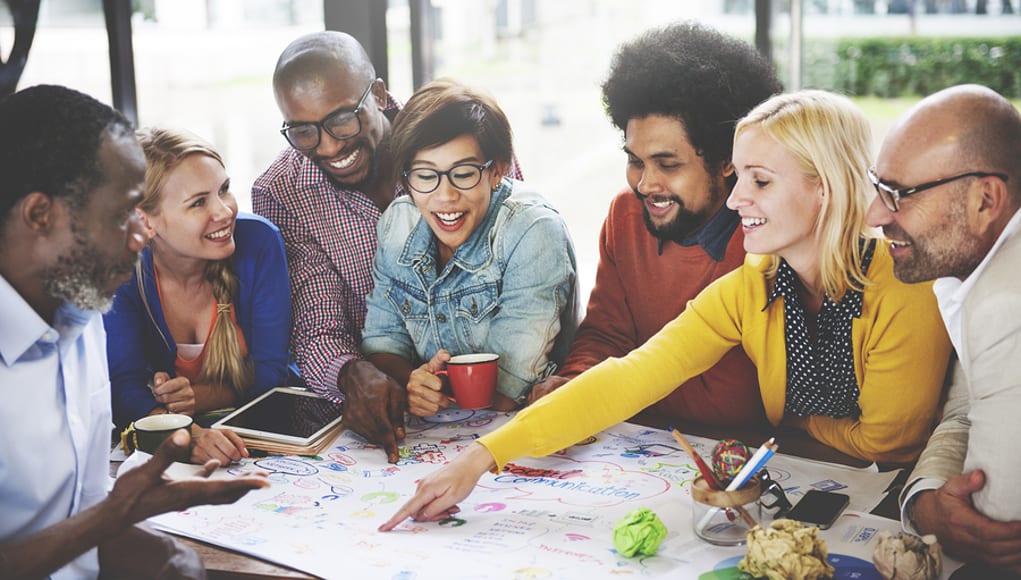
(676, 93)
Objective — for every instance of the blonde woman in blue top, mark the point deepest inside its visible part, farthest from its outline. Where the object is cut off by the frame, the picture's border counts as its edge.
(204, 322)
(471, 261)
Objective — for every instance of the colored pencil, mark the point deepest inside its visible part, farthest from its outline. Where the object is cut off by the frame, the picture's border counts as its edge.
(707, 473)
(752, 465)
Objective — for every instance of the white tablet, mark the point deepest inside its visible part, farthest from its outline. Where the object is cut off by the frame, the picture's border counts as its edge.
(285, 415)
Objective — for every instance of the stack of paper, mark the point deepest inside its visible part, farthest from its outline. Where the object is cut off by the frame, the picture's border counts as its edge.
(277, 448)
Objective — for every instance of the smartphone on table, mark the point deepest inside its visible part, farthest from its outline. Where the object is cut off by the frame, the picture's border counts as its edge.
(819, 508)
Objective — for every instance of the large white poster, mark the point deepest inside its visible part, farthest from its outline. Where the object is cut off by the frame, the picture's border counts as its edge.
(541, 518)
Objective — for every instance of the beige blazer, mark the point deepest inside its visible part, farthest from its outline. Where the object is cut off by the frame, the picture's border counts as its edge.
(981, 426)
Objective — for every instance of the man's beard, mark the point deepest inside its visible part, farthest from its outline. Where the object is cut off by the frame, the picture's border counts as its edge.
(81, 277)
(955, 254)
(686, 221)
(946, 250)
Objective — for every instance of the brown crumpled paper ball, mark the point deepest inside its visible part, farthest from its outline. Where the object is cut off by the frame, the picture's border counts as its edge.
(786, 550)
(908, 557)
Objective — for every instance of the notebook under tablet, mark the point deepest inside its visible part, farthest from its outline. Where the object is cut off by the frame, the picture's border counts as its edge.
(286, 415)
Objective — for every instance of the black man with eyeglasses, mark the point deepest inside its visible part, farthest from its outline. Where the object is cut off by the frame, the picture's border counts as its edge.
(326, 193)
(948, 184)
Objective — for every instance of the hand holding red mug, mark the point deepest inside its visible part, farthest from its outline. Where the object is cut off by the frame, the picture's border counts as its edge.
(425, 396)
(472, 379)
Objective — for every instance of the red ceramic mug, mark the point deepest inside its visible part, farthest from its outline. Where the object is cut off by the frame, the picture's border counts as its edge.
(473, 379)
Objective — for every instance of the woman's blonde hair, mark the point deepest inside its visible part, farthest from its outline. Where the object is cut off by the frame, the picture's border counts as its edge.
(165, 149)
(830, 138)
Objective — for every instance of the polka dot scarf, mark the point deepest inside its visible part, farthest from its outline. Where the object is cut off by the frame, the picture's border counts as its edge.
(820, 375)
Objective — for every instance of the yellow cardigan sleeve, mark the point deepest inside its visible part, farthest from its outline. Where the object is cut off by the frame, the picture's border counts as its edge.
(617, 388)
(901, 356)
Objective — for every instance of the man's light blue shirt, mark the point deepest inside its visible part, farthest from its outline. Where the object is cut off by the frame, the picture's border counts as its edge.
(54, 420)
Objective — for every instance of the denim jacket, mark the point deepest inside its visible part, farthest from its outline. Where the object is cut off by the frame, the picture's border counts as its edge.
(508, 289)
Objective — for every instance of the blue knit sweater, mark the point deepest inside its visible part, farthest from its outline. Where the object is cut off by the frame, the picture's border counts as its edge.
(139, 342)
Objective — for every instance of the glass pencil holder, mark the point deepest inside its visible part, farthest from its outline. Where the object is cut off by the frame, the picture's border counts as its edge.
(723, 518)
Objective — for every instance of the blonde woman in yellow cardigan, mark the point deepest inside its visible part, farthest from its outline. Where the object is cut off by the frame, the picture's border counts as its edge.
(843, 350)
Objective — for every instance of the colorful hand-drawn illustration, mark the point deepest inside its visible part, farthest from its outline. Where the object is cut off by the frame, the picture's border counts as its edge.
(546, 517)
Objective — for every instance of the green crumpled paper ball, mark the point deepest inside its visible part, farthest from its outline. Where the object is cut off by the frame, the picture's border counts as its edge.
(638, 532)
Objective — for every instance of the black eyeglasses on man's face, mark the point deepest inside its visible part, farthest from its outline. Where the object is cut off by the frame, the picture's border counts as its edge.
(891, 196)
(341, 124)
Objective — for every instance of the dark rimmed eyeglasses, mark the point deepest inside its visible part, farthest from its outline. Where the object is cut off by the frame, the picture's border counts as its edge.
(773, 495)
(891, 196)
(341, 124)
(462, 176)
